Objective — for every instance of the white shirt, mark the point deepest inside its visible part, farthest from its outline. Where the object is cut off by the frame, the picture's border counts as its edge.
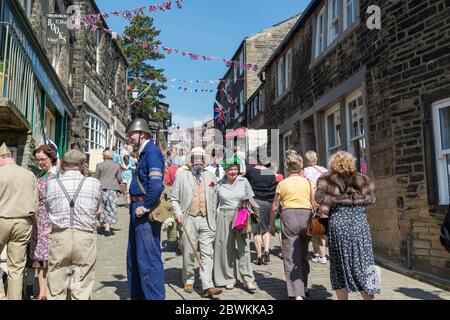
(212, 168)
(143, 146)
(312, 173)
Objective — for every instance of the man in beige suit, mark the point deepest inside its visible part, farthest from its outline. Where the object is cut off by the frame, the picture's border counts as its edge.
(194, 201)
(19, 201)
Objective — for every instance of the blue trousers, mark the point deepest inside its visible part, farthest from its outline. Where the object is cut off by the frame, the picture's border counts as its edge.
(144, 264)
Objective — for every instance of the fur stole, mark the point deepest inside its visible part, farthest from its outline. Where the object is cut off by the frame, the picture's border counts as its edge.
(335, 189)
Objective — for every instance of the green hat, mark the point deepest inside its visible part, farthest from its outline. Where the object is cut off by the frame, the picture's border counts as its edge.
(227, 163)
(74, 157)
(138, 124)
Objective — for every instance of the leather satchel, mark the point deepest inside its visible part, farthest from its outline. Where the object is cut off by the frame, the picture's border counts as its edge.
(318, 226)
(163, 209)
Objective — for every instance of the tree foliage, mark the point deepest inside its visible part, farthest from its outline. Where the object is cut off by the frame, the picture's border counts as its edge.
(139, 59)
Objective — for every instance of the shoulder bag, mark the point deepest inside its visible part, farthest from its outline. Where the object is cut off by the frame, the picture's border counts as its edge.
(162, 210)
(318, 226)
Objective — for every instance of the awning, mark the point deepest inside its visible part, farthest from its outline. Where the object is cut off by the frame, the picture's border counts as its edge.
(240, 133)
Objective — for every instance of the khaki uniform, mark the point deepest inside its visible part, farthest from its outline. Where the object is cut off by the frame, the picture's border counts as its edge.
(19, 202)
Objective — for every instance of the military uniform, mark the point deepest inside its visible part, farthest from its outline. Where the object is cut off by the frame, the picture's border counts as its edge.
(144, 264)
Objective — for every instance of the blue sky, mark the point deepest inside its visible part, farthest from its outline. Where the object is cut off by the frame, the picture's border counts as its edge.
(209, 27)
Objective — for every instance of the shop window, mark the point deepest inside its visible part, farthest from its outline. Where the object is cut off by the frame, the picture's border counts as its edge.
(96, 133)
(50, 125)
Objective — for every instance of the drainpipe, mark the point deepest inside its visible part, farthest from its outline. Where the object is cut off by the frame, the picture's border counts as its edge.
(409, 245)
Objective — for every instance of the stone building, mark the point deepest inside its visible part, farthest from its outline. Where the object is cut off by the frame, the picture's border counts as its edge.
(241, 84)
(99, 87)
(384, 96)
(35, 103)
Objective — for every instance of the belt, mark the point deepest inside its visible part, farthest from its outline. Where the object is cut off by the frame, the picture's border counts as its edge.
(137, 198)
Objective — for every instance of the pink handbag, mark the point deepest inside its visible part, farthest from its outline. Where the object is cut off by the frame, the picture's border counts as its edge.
(240, 221)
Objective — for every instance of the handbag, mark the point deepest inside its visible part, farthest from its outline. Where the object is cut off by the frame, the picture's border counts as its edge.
(318, 226)
(278, 224)
(240, 220)
(251, 207)
(163, 209)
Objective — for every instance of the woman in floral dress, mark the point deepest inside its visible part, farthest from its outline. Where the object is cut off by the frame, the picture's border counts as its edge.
(46, 158)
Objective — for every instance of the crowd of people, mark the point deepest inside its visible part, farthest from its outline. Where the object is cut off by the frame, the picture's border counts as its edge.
(51, 230)
(207, 204)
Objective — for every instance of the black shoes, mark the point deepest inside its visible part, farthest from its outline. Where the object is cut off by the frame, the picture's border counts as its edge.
(259, 261)
(266, 257)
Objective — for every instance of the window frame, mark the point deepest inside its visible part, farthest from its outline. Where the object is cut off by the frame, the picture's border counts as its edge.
(355, 14)
(336, 108)
(355, 95)
(284, 72)
(332, 23)
(50, 124)
(288, 69)
(280, 76)
(97, 130)
(320, 42)
(98, 41)
(241, 61)
(442, 162)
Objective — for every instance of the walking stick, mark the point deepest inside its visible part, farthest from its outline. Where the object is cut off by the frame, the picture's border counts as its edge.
(185, 230)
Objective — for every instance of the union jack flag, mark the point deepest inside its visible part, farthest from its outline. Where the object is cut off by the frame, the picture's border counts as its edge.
(220, 113)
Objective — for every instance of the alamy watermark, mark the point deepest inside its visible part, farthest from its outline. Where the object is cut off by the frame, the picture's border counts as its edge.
(373, 21)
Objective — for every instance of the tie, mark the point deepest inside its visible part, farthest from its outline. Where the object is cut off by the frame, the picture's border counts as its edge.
(217, 172)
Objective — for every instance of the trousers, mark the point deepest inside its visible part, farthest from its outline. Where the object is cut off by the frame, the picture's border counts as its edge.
(71, 264)
(202, 235)
(145, 268)
(15, 233)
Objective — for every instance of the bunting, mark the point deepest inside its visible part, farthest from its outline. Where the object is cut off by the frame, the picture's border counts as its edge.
(157, 48)
(128, 14)
(213, 82)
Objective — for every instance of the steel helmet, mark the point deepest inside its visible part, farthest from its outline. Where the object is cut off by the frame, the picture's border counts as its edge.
(138, 124)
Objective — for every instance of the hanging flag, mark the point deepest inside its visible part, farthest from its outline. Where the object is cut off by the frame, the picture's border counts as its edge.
(220, 113)
(229, 97)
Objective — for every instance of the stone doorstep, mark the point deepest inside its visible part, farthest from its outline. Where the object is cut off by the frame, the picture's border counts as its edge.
(414, 274)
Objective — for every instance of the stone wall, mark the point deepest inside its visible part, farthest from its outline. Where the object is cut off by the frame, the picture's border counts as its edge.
(406, 68)
(108, 84)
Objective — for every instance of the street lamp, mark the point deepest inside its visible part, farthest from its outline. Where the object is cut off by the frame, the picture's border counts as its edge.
(135, 93)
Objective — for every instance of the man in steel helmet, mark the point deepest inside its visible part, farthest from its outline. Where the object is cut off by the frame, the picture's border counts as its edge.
(144, 264)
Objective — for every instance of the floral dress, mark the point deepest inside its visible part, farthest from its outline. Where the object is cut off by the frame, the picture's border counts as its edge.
(42, 223)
